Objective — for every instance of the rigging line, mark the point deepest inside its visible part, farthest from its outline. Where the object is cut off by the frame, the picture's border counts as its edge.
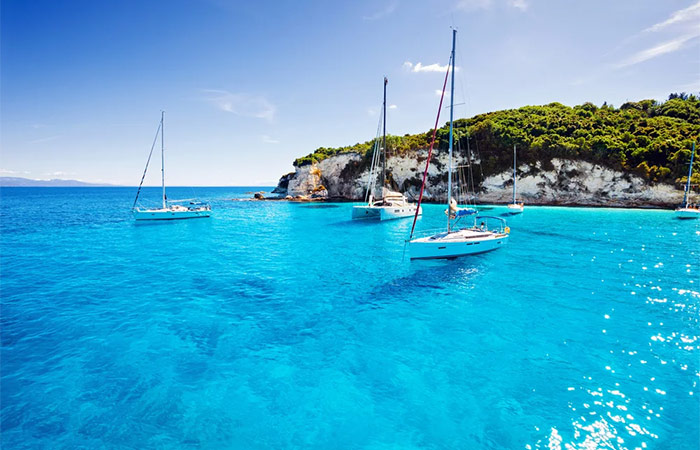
(371, 177)
(471, 185)
(465, 98)
(481, 166)
(461, 196)
(430, 151)
(473, 156)
(375, 170)
(155, 139)
(463, 174)
(471, 166)
(370, 181)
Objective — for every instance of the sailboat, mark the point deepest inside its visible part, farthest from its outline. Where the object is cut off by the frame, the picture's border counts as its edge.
(454, 242)
(170, 209)
(688, 210)
(514, 207)
(391, 205)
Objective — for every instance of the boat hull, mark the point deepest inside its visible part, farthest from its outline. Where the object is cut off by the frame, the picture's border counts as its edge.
(515, 208)
(384, 212)
(688, 213)
(445, 248)
(166, 214)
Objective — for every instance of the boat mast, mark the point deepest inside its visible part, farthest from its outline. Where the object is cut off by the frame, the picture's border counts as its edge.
(690, 174)
(515, 181)
(162, 155)
(430, 152)
(384, 139)
(452, 96)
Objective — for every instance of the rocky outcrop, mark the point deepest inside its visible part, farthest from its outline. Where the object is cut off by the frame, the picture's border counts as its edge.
(339, 175)
(563, 182)
(283, 183)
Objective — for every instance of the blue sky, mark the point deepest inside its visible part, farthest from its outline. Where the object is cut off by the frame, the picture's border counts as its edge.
(249, 86)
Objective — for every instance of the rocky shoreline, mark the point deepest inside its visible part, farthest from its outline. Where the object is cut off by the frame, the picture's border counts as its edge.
(563, 182)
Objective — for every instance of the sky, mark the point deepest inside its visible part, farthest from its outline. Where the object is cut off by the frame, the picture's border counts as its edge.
(247, 86)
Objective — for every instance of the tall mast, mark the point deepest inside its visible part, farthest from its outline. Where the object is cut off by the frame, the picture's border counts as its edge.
(162, 155)
(514, 177)
(452, 96)
(384, 139)
(690, 174)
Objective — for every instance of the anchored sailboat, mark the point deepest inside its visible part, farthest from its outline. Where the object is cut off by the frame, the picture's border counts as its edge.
(454, 242)
(171, 209)
(514, 207)
(391, 205)
(688, 210)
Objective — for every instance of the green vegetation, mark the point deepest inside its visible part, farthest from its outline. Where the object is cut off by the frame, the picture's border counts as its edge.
(648, 138)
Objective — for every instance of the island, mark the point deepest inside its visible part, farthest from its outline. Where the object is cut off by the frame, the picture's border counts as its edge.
(636, 155)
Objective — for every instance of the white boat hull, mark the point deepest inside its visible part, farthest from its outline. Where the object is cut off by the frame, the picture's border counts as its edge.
(168, 214)
(384, 212)
(456, 244)
(515, 208)
(688, 213)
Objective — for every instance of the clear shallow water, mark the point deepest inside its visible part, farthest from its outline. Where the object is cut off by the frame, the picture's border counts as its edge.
(279, 325)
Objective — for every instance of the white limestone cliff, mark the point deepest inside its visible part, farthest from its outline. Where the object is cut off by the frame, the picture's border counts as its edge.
(567, 182)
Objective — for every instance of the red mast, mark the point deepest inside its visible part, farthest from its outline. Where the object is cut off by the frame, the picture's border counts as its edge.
(430, 152)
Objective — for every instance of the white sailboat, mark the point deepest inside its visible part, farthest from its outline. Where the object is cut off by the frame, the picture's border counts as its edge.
(391, 205)
(688, 210)
(455, 242)
(514, 207)
(171, 209)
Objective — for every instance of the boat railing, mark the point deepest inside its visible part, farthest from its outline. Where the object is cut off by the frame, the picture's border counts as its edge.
(488, 225)
(183, 200)
(191, 204)
(428, 233)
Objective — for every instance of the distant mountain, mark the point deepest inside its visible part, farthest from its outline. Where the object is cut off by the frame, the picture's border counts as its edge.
(27, 182)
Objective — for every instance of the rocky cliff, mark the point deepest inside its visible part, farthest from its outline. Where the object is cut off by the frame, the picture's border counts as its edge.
(561, 182)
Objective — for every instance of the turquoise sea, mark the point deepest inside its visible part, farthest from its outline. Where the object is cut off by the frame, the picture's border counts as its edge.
(282, 325)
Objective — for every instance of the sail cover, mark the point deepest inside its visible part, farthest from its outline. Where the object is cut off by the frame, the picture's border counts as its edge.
(465, 212)
(455, 211)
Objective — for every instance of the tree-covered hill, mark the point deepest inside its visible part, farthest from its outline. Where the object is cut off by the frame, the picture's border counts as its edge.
(648, 138)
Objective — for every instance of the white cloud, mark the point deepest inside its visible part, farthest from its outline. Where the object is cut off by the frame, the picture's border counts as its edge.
(689, 16)
(241, 104)
(482, 5)
(372, 111)
(268, 140)
(46, 139)
(682, 27)
(522, 5)
(474, 5)
(693, 86)
(393, 106)
(60, 174)
(658, 50)
(419, 67)
(390, 8)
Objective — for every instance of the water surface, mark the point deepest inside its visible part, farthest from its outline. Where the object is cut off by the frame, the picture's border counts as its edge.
(283, 325)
